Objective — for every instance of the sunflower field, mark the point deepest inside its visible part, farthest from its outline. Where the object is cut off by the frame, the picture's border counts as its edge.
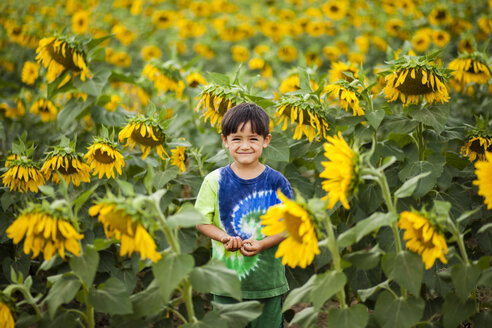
(380, 120)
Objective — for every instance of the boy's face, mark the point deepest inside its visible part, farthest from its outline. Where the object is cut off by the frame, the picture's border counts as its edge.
(245, 146)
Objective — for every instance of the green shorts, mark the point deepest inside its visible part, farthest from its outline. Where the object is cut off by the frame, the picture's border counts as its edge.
(271, 317)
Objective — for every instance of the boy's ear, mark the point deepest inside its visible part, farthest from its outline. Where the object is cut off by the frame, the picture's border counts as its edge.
(268, 138)
(224, 140)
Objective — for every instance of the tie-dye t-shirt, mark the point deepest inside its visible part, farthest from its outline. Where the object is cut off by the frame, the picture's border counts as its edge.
(235, 205)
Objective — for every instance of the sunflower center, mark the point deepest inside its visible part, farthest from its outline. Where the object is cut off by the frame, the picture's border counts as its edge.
(163, 19)
(64, 58)
(119, 220)
(441, 14)
(193, 84)
(334, 9)
(147, 140)
(413, 86)
(477, 148)
(471, 69)
(103, 157)
(68, 170)
(292, 224)
(44, 109)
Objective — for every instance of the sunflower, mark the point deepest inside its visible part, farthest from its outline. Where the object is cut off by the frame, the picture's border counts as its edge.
(440, 38)
(6, 316)
(313, 58)
(466, 45)
(23, 174)
(195, 79)
(483, 171)
(44, 108)
(146, 132)
(340, 171)
(423, 238)
(149, 52)
(339, 70)
(301, 244)
(476, 146)
(178, 158)
(204, 50)
(470, 68)
(118, 58)
(163, 19)
(103, 157)
(113, 103)
(44, 231)
(128, 230)
(13, 112)
(310, 120)
(394, 27)
(165, 76)
(216, 100)
(58, 55)
(80, 21)
(292, 83)
(331, 53)
(415, 77)
(66, 161)
(440, 16)
(335, 10)
(347, 95)
(240, 54)
(30, 72)
(123, 34)
(287, 53)
(421, 40)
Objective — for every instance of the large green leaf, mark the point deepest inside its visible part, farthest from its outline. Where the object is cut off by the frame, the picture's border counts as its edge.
(161, 178)
(85, 265)
(111, 297)
(278, 149)
(239, 314)
(415, 168)
(375, 117)
(325, 286)
(147, 302)
(355, 316)
(364, 294)
(454, 311)
(364, 259)
(407, 189)
(299, 295)
(216, 277)
(393, 312)
(187, 217)
(406, 268)
(436, 116)
(63, 291)
(73, 110)
(170, 271)
(465, 278)
(306, 318)
(365, 227)
(94, 86)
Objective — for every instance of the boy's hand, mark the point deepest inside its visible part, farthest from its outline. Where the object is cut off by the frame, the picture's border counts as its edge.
(232, 244)
(251, 247)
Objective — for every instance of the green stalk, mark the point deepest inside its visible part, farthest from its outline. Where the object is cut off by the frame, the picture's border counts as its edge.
(89, 311)
(187, 292)
(167, 231)
(419, 136)
(333, 247)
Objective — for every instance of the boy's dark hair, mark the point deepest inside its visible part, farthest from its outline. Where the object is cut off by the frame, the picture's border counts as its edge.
(243, 113)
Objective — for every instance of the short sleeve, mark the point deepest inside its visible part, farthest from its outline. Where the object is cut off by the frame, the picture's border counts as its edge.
(206, 199)
(286, 188)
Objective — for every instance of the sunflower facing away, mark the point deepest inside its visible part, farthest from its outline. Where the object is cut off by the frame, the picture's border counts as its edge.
(146, 132)
(178, 157)
(104, 157)
(6, 317)
(44, 232)
(476, 146)
(340, 171)
(308, 118)
(66, 161)
(130, 232)
(423, 238)
(215, 101)
(22, 174)
(346, 95)
(57, 55)
(45, 109)
(483, 171)
(301, 244)
(165, 77)
(470, 68)
(412, 80)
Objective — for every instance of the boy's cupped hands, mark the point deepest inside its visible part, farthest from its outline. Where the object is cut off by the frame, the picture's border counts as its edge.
(248, 247)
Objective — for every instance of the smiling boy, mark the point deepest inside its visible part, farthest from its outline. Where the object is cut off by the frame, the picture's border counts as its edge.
(232, 199)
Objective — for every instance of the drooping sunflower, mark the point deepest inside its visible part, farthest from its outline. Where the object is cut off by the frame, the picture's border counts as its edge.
(46, 231)
(178, 158)
(483, 171)
(216, 100)
(347, 95)
(129, 230)
(12, 112)
(340, 171)
(44, 108)
(104, 157)
(470, 68)
(343, 71)
(58, 55)
(301, 244)
(6, 317)
(477, 145)
(308, 118)
(165, 76)
(67, 162)
(30, 72)
(23, 174)
(145, 131)
(413, 78)
(423, 237)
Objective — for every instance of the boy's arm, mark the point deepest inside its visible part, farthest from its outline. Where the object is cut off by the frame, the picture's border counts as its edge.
(231, 243)
(252, 247)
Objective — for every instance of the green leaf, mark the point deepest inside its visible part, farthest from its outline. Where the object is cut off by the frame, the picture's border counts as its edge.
(299, 295)
(187, 217)
(398, 313)
(72, 111)
(210, 320)
(365, 227)
(364, 259)
(94, 86)
(239, 314)
(147, 302)
(465, 279)
(126, 187)
(111, 297)
(63, 291)
(170, 271)
(485, 278)
(406, 268)
(278, 149)
(435, 117)
(304, 82)
(306, 318)
(48, 191)
(122, 77)
(485, 228)
(218, 78)
(355, 316)
(216, 277)
(82, 198)
(407, 189)
(325, 286)
(415, 168)
(364, 294)
(85, 265)
(375, 117)
(454, 311)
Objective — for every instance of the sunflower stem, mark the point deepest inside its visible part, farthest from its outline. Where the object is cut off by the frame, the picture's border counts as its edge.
(171, 239)
(420, 141)
(89, 311)
(187, 292)
(333, 247)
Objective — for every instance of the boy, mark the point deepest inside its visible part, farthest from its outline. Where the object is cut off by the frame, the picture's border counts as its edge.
(232, 199)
